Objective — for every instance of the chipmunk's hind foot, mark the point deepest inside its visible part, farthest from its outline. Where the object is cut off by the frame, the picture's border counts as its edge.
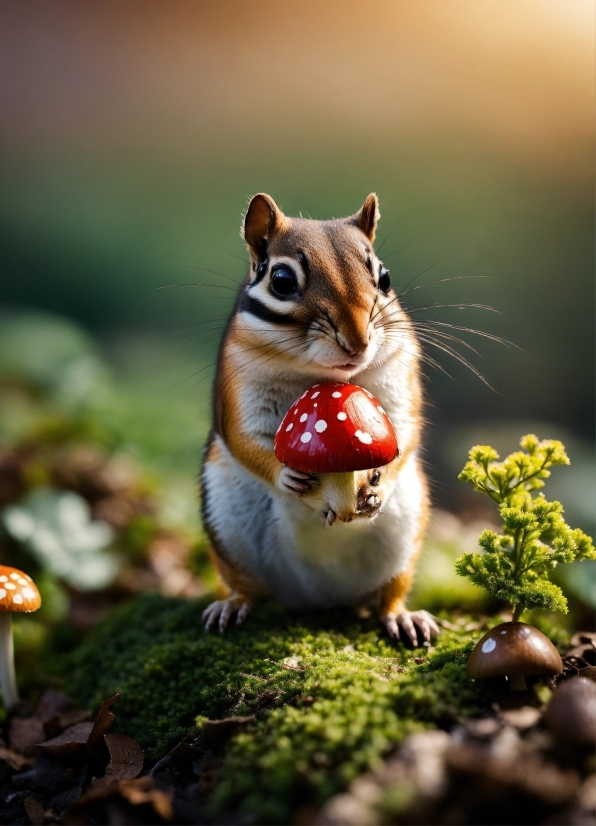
(411, 626)
(222, 610)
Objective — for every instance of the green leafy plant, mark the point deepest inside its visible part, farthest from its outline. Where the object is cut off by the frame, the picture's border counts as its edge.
(515, 565)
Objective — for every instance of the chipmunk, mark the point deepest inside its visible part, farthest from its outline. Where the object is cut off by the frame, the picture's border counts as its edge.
(317, 305)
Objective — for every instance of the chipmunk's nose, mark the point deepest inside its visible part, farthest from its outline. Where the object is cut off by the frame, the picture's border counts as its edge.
(355, 344)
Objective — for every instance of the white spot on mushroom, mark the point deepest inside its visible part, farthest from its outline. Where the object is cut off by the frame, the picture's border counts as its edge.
(342, 416)
(315, 385)
(17, 599)
(320, 426)
(289, 427)
(368, 393)
(380, 408)
(365, 438)
(22, 581)
(358, 434)
(14, 575)
(315, 404)
(11, 586)
(304, 417)
(3, 578)
(488, 646)
(28, 593)
(314, 395)
(336, 395)
(295, 411)
(306, 437)
(28, 578)
(2, 593)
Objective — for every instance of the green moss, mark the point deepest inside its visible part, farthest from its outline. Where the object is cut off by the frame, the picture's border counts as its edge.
(330, 692)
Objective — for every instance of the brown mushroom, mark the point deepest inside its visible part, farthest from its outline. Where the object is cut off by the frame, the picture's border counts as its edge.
(514, 650)
(571, 714)
(18, 593)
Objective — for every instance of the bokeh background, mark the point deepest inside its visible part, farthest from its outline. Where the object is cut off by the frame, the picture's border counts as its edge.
(133, 135)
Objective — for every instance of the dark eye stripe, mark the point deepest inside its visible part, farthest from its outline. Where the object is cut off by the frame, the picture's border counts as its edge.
(249, 304)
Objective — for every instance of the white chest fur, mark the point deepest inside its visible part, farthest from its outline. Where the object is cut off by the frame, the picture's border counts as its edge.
(285, 543)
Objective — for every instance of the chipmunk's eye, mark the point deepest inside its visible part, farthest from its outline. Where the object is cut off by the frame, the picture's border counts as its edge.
(384, 279)
(283, 282)
(375, 478)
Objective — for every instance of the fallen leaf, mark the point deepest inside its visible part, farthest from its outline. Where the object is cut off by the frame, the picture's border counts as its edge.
(69, 741)
(16, 761)
(102, 725)
(52, 727)
(24, 733)
(216, 730)
(142, 791)
(126, 757)
(47, 774)
(63, 800)
(34, 811)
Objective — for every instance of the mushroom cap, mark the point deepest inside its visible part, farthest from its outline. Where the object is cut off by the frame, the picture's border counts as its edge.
(571, 714)
(18, 592)
(335, 428)
(511, 649)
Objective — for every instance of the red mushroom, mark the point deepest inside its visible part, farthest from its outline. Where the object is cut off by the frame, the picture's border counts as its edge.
(336, 429)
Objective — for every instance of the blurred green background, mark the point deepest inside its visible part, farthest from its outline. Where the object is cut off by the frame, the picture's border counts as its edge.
(134, 133)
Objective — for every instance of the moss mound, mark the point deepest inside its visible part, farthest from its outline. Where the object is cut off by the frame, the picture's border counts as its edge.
(330, 692)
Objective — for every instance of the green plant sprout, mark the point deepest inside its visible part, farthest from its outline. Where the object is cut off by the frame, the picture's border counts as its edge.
(515, 566)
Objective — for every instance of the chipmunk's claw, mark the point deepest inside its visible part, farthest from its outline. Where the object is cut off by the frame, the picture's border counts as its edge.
(222, 610)
(413, 625)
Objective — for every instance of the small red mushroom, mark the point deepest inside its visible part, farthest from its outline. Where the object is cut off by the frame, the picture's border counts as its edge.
(336, 429)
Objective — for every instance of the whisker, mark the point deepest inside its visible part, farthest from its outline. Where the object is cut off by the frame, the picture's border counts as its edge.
(441, 281)
(436, 264)
(194, 284)
(482, 333)
(237, 257)
(214, 272)
(378, 252)
(401, 249)
(196, 324)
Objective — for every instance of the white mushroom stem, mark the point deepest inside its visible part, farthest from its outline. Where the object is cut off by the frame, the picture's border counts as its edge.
(8, 680)
(517, 682)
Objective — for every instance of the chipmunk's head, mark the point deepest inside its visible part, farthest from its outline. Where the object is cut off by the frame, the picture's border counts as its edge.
(317, 294)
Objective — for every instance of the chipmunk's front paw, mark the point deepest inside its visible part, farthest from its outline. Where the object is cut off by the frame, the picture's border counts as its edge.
(413, 624)
(222, 610)
(295, 482)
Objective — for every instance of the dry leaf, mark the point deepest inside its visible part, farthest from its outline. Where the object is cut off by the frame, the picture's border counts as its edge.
(16, 761)
(52, 727)
(69, 741)
(24, 733)
(102, 725)
(141, 791)
(126, 757)
(34, 811)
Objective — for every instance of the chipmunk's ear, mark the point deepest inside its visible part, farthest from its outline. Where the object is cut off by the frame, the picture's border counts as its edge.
(367, 216)
(262, 220)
